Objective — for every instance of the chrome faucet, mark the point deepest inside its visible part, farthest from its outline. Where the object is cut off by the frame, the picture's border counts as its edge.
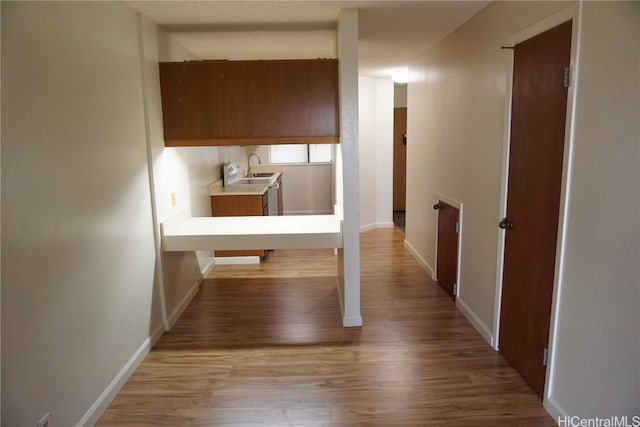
(249, 162)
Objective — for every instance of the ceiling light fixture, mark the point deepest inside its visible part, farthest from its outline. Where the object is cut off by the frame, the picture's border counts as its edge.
(400, 75)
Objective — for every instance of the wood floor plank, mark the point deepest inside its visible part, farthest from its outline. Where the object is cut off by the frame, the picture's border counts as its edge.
(264, 345)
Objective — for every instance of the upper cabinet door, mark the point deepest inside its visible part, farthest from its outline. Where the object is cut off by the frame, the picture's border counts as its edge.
(250, 102)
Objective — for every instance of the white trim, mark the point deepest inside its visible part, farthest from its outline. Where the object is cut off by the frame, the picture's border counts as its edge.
(184, 303)
(157, 240)
(237, 260)
(376, 225)
(207, 268)
(423, 263)
(175, 221)
(554, 409)
(347, 322)
(449, 200)
(351, 322)
(367, 227)
(473, 318)
(564, 15)
(502, 208)
(458, 205)
(563, 217)
(573, 12)
(105, 398)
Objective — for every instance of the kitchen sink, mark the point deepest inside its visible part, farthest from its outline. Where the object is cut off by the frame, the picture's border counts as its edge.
(262, 175)
(253, 180)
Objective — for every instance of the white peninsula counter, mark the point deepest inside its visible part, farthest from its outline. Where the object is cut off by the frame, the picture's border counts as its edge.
(253, 232)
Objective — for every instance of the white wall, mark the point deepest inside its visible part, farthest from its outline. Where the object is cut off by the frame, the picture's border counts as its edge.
(247, 45)
(185, 172)
(307, 189)
(457, 98)
(180, 272)
(455, 124)
(375, 109)
(598, 339)
(400, 95)
(77, 235)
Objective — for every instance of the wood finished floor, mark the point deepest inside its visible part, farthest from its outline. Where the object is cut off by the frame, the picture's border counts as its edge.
(264, 345)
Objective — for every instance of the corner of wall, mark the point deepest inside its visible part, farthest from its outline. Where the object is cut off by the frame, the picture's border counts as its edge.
(475, 320)
(423, 263)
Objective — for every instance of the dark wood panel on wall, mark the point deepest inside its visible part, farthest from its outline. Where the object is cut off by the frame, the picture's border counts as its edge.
(250, 102)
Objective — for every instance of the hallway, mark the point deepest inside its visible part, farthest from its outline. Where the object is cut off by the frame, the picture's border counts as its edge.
(264, 345)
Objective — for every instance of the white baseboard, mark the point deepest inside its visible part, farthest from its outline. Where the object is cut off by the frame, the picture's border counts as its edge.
(385, 224)
(207, 268)
(368, 227)
(473, 318)
(182, 305)
(419, 258)
(351, 322)
(347, 322)
(555, 410)
(103, 401)
(237, 260)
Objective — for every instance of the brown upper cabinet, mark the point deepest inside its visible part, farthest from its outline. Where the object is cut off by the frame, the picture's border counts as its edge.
(250, 102)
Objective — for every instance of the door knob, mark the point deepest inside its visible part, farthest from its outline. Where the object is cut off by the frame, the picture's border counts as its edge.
(506, 224)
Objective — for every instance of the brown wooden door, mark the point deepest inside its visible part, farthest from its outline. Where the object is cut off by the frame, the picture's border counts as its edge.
(399, 158)
(447, 262)
(539, 104)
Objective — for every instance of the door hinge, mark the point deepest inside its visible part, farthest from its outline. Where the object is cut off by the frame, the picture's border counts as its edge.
(567, 76)
(457, 227)
(545, 357)
(455, 289)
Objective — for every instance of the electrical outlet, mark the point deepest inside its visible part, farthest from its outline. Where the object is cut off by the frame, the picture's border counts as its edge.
(45, 421)
(173, 200)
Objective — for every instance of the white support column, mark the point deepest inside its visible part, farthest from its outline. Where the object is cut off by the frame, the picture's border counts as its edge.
(347, 173)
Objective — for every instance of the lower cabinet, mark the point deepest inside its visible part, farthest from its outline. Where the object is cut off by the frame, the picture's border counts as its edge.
(240, 205)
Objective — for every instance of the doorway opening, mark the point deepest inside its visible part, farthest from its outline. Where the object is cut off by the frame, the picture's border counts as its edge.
(399, 154)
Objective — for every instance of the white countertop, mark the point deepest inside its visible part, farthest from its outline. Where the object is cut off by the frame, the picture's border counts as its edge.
(253, 232)
(238, 190)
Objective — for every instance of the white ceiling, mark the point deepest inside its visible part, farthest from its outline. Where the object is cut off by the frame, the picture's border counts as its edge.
(391, 33)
